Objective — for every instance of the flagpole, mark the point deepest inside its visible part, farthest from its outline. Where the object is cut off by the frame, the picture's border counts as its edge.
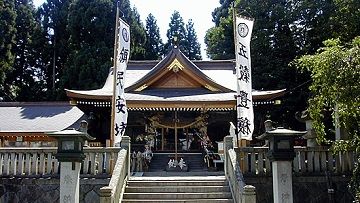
(114, 75)
(234, 28)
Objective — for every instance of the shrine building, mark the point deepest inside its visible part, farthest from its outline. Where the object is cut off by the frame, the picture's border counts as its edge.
(172, 102)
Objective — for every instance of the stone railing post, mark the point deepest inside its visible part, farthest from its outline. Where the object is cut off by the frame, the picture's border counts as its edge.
(228, 144)
(249, 194)
(125, 143)
(105, 194)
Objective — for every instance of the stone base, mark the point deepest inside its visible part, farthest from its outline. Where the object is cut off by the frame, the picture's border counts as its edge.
(177, 169)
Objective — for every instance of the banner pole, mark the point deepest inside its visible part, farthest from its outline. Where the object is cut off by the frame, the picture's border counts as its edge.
(236, 123)
(114, 76)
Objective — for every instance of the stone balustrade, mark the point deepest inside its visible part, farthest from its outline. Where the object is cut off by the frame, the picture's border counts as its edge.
(240, 191)
(113, 193)
(314, 160)
(42, 162)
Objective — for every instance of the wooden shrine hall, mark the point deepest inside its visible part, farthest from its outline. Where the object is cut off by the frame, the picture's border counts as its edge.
(172, 103)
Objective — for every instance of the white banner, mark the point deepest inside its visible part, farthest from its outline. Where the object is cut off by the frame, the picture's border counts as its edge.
(245, 113)
(119, 102)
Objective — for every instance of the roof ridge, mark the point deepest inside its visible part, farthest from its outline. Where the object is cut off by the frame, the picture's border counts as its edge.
(43, 103)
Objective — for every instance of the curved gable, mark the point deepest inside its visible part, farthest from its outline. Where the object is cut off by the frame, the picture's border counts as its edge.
(176, 71)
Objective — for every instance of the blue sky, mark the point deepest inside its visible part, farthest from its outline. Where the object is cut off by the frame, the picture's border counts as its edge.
(197, 10)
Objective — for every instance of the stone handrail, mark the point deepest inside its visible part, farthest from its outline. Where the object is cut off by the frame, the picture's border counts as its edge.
(113, 192)
(241, 192)
(234, 175)
(312, 160)
(42, 162)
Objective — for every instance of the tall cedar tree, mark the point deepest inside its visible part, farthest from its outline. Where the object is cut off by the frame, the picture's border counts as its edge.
(23, 81)
(54, 20)
(153, 45)
(91, 29)
(91, 43)
(176, 29)
(192, 48)
(138, 36)
(7, 41)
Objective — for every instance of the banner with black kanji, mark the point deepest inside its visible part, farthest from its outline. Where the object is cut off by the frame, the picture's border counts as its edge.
(119, 102)
(245, 113)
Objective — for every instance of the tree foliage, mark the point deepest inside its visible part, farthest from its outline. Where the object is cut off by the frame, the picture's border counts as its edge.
(90, 27)
(221, 12)
(138, 36)
(176, 31)
(53, 15)
(283, 30)
(91, 41)
(7, 40)
(23, 81)
(335, 73)
(153, 45)
(192, 48)
(220, 40)
(23, 75)
(182, 36)
(69, 44)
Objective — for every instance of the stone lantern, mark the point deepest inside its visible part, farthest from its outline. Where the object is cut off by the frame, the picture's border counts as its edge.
(70, 155)
(310, 136)
(281, 153)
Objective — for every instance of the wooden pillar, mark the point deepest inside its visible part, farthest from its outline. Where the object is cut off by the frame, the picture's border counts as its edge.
(162, 139)
(187, 138)
(176, 141)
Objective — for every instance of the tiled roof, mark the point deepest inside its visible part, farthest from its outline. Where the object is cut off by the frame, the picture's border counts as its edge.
(38, 117)
(220, 72)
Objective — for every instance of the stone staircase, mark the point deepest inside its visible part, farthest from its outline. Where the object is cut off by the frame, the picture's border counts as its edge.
(191, 189)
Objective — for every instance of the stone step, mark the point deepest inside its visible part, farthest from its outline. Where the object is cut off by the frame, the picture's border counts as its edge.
(171, 196)
(192, 189)
(177, 189)
(176, 177)
(177, 183)
(180, 200)
(183, 174)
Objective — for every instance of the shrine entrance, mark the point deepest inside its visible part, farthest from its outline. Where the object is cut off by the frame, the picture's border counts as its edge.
(187, 140)
(177, 131)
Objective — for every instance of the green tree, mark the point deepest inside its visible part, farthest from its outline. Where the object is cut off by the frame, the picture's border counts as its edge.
(137, 30)
(55, 51)
(335, 77)
(220, 40)
(222, 11)
(91, 30)
(344, 19)
(153, 45)
(176, 29)
(7, 41)
(138, 36)
(283, 30)
(23, 78)
(23, 81)
(192, 48)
